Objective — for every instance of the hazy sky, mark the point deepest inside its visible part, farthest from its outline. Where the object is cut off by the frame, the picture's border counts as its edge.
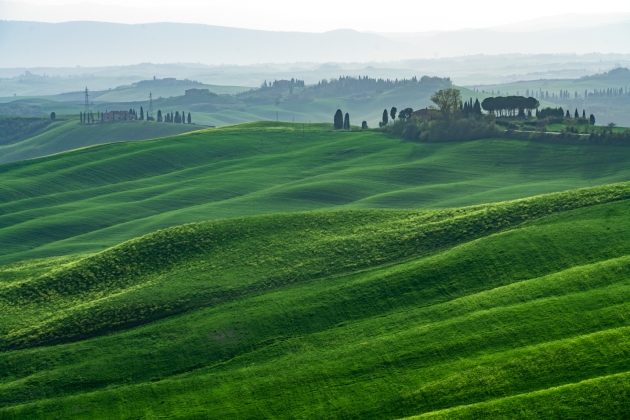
(316, 16)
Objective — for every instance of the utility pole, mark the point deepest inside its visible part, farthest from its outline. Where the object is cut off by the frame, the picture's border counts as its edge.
(150, 112)
(86, 105)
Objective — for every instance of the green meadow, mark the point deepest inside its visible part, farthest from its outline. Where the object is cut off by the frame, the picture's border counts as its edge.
(96, 197)
(275, 270)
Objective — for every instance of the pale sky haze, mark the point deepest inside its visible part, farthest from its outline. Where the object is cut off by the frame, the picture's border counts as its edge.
(320, 15)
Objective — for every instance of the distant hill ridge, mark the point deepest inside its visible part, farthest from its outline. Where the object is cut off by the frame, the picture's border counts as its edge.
(621, 74)
(194, 43)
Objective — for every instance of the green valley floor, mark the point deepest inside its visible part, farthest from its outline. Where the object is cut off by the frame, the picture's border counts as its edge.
(308, 274)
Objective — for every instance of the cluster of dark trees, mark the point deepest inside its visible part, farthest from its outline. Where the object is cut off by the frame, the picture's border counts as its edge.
(453, 119)
(283, 84)
(560, 114)
(550, 113)
(610, 92)
(470, 108)
(457, 120)
(176, 117)
(341, 122)
(510, 106)
(88, 117)
(403, 115)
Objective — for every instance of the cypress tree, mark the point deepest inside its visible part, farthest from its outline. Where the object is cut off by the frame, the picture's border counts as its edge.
(592, 119)
(159, 115)
(338, 120)
(576, 115)
(346, 122)
(477, 107)
(385, 118)
(141, 114)
(189, 119)
(364, 125)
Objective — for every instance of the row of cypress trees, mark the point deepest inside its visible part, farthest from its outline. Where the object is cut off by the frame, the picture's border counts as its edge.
(176, 118)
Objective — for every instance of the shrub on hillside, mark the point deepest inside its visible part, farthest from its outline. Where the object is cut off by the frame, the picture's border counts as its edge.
(444, 129)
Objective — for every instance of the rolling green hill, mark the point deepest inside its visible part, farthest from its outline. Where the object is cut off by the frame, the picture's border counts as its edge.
(15, 129)
(93, 198)
(509, 310)
(69, 134)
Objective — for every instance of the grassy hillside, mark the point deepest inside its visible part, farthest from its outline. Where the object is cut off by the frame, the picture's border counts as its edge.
(164, 88)
(16, 129)
(69, 134)
(516, 309)
(93, 198)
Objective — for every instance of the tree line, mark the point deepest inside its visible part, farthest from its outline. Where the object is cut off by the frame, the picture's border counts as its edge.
(510, 106)
(283, 84)
(566, 95)
(176, 117)
(90, 117)
(560, 114)
(370, 83)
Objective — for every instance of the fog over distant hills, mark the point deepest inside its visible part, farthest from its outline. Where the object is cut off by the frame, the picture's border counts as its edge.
(36, 44)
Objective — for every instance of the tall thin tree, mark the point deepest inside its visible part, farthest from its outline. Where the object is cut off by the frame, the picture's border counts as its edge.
(338, 120)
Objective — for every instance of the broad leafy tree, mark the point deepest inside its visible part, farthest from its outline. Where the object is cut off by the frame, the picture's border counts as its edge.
(447, 101)
(393, 112)
(405, 114)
